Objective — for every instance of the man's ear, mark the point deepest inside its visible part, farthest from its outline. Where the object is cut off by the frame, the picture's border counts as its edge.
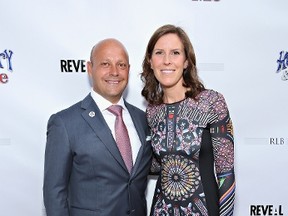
(89, 68)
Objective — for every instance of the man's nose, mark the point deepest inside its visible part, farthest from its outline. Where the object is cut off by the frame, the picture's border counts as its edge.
(114, 70)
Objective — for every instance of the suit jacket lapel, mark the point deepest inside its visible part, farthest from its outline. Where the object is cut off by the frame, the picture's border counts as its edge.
(95, 119)
(141, 133)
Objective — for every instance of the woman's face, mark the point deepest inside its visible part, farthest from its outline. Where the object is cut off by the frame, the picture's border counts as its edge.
(168, 61)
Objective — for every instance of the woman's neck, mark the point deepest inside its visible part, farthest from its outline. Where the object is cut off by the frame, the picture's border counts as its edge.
(174, 95)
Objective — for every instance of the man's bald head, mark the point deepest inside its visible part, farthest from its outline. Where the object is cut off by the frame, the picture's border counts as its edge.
(104, 43)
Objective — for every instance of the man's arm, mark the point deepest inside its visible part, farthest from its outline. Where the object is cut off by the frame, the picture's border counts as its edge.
(57, 168)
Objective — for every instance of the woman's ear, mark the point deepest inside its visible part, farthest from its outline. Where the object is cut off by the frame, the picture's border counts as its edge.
(186, 64)
(150, 64)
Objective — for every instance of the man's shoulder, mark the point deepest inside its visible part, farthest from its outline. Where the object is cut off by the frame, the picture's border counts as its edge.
(75, 108)
(134, 108)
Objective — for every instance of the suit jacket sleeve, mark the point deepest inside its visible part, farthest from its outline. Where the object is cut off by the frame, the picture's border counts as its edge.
(57, 168)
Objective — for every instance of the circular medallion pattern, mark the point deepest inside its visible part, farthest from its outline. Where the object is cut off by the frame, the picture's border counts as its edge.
(180, 177)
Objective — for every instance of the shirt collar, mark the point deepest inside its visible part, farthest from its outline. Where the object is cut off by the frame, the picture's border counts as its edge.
(103, 103)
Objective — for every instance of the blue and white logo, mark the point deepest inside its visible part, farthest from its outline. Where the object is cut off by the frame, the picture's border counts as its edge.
(283, 65)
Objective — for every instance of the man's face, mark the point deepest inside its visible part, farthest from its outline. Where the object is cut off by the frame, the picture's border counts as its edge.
(109, 70)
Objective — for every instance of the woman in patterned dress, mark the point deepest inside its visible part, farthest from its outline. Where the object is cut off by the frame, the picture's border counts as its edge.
(191, 131)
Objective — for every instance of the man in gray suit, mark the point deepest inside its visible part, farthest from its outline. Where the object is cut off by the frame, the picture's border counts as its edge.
(84, 172)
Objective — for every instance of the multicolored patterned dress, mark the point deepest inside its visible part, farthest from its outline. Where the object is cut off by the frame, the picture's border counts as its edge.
(194, 156)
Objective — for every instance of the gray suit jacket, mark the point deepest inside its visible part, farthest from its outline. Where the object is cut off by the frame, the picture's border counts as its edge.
(84, 173)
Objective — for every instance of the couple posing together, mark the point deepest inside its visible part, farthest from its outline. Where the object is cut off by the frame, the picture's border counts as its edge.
(100, 151)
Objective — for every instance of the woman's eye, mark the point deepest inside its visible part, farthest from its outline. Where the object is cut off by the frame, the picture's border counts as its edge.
(175, 53)
(158, 52)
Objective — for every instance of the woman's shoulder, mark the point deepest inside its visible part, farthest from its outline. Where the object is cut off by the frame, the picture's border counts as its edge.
(215, 101)
(155, 106)
(211, 95)
(152, 108)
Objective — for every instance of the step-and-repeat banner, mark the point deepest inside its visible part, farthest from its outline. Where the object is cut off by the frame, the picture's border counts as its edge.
(242, 52)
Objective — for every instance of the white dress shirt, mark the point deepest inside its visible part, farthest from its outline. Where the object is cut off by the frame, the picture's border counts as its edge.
(110, 118)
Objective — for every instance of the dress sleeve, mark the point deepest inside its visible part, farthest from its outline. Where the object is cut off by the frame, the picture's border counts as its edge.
(155, 166)
(221, 130)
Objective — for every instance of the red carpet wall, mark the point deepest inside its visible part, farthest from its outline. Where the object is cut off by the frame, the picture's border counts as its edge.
(242, 52)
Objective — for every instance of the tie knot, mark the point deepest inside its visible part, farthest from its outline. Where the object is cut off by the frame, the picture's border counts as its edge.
(115, 109)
